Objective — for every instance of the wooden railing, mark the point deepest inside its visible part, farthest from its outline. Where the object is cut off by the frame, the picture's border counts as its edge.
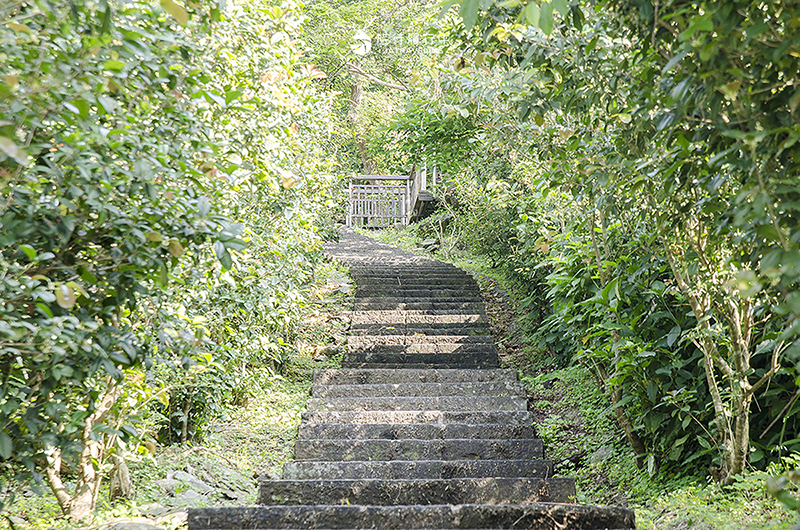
(385, 200)
(381, 203)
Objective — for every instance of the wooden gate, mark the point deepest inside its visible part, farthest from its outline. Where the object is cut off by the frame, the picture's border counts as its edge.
(383, 202)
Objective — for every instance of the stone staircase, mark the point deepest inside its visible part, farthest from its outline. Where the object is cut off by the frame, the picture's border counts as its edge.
(420, 429)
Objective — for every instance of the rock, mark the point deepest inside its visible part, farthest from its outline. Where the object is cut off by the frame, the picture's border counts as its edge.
(601, 454)
(168, 485)
(192, 481)
(319, 358)
(345, 288)
(429, 244)
(152, 509)
(329, 350)
(269, 475)
(120, 485)
(17, 520)
(191, 497)
(174, 519)
(137, 523)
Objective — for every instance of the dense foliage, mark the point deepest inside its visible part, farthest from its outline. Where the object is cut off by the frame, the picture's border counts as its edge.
(634, 167)
(158, 222)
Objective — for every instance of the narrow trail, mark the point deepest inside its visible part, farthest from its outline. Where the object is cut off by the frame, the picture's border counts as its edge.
(420, 429)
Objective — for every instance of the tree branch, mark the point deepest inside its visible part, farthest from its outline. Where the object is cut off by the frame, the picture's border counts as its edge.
(353, 69)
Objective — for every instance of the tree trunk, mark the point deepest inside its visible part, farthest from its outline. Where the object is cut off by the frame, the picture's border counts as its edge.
(626, 425)
(356, 95)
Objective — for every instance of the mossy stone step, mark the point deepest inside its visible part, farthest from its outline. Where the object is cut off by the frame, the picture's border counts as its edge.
(485, 348)
(423, 469)
(515, 417)
(378, 376)
(382, 492)
(468, 328)
(484, 449)
(354, 341)
(433, 304)
(419, 431)
(432, 360)
(456, 403)
(493, 388)
(415, 317)
(457, 298)
(539, 516)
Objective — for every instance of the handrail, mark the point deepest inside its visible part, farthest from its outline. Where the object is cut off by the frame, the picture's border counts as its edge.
(381, 200)
(416, 183)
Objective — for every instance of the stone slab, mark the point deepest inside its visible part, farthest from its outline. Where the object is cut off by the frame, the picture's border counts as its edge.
(505, 388)
(419, 416)
(351, 377)
(424, 469)
(540, 516)
(381, 492)
(440, 360)
(343, 450)
(417, 431)
(457, 403)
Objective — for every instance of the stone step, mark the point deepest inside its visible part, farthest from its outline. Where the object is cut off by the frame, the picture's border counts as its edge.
(414, 317)
(381, 492)
(505, 388)
(539, 516)
(364, 340)
(421, 366)
(433, 360)
(430, 305)
(486, 348)
(379, 377)
(457, 299)
(425, 281)
(514, 417)
(416, 291)
(423, 469)
(486, 449)
(404, 267)
(419, 431)
(467, 328)
(458, 403)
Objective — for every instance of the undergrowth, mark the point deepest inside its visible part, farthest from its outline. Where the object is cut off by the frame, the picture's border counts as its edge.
(253, 438)
(581, 436)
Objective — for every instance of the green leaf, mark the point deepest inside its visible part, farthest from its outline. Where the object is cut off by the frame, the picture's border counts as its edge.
(532, 14)
(178, 12)
(108, 104)
(65, 296)
(29, 251)
(561, 6)
(163, 276)
(673, 335)
(674, 60)
(22, 28)
(12, 150)
(114, 66)
(175, 248)
(444, 7)
(223, 255)
(546, 18)
(469, 12)
(6, 446)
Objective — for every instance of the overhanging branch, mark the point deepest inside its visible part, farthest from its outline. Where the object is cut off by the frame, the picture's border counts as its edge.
(353, 69)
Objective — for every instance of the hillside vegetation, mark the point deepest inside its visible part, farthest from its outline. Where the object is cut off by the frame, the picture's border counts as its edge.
(169, 171)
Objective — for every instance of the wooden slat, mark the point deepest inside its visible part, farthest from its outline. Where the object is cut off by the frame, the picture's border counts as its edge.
(377, 204)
